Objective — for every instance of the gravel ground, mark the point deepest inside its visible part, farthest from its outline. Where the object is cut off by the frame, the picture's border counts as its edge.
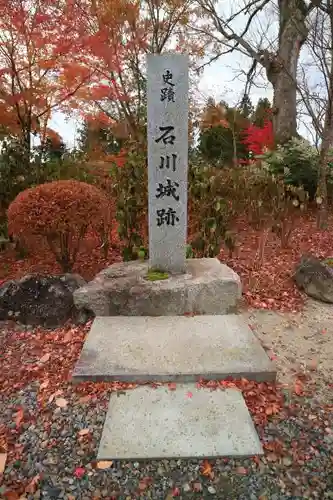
(51, 449)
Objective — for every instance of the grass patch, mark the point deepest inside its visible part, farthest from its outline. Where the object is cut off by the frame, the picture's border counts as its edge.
(156, 275)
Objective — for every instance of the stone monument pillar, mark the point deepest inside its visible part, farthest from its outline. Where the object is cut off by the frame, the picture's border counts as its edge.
(167, 101)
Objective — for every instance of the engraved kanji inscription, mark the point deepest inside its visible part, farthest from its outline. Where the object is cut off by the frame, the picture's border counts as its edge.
(168, 162)
(167, 94)
(167, 78)
(169, 189)
(167, 217)
(167, 137)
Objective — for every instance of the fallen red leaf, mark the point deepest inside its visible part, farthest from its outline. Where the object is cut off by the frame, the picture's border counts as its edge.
(172, 386)
(44, 385)
(79, 472)
(84, 432)
(272, 409)
(104, 464)
(241, 470)
(206, 469)
(144, 483)
(68, 336)
(142, 486)
(85, 399)
(61, 402)
(45, 358)
(32, 486)
(19, 417)
(11, 495)
(298, 387)
(3, 459)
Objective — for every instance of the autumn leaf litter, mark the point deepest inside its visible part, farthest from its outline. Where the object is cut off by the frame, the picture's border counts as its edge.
(50, 430)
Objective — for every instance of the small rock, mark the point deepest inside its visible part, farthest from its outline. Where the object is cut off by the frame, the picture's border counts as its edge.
(186, 488)
(287, 461)
(211, 490)
(160, 471)
(197, 487)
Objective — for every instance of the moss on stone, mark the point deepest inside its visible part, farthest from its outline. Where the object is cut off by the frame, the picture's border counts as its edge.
(156, 275)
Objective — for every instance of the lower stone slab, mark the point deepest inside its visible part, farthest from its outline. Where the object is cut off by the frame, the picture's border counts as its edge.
(172, 349)
(147, 423)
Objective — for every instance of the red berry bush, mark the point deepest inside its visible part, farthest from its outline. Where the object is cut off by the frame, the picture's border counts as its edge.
(60, 213)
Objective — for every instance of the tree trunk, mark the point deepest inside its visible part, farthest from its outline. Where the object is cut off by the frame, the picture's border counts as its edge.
(26, 148)
(327, 140)
(322, 176)
(281, 68)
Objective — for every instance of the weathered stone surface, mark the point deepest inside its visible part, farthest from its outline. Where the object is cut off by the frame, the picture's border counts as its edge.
(40, 300)
(146, 423)
(172, 348)
(167, 106)
(208, 287)
(315, 278)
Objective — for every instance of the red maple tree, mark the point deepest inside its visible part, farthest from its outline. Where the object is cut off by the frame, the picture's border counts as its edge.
(257, 139)
(37, 71)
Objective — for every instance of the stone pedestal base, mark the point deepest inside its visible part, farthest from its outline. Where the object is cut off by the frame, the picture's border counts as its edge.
(208, 287)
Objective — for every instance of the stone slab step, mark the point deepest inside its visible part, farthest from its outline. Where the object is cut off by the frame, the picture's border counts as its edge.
(172, 348)
(146, 423)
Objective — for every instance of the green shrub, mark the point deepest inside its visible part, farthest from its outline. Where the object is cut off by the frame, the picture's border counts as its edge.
(296, 162)
(271, 202)
(13, 175)
(129, 185)
(209, 211)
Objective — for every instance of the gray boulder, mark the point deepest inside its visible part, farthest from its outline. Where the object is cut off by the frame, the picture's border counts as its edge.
(123, 289)
(315, 278)
(41, 300)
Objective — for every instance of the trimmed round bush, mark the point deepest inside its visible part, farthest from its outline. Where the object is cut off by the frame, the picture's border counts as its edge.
(60, 212)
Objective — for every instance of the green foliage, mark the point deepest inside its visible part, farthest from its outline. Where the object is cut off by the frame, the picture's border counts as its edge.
(49, 151)
(142, 253)
(297, 162)
(92, 135)
(72, 165)
(47, 164)
(129, 186)
(262, 112)
(156, 275)
(13, 175)
(246, 108)
(209, 210)
(221, 134)
(189, 252)
(329, 262)
(219, 144)
(271, 202)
